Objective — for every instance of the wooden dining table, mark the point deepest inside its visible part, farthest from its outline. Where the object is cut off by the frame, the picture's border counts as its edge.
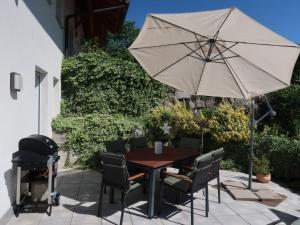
(153, 163)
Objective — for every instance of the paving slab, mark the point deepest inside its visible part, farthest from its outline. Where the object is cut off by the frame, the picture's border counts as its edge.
(243, 194)
(269, 195)
(233, 184)
(231, 220)
(79, 203)
(256, 219)
(260, 186)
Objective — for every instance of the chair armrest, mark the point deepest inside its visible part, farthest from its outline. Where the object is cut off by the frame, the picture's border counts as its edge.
(137, 176)
(187, 167)
(178, 176)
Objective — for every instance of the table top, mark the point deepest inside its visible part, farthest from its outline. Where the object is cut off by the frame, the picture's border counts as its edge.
(147, 157)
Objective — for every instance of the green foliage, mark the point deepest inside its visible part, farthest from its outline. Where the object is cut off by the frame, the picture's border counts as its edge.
(222, 125)
(229, 164)
(63, 124)
(283, 153)
(95, 82)
(86, 135)
(182, 121)
(228, 124)
(286, 103)
(261, 165)
(117, 44)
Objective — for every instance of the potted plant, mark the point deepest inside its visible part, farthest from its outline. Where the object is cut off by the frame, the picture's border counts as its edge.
(262, 169)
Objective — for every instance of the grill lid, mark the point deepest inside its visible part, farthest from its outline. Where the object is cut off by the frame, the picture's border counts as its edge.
(39, 144)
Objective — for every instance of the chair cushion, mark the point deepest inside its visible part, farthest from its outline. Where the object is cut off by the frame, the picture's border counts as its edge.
(116, 146)
(217, 154)
(135, 184)
(138, 143)
(178, 184)
(203, 160)
(190, 143)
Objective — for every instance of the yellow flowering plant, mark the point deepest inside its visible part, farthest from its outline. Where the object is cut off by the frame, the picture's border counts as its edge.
(228, 123)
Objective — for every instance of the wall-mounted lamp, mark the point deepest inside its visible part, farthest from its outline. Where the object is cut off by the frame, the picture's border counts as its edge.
(16, 82)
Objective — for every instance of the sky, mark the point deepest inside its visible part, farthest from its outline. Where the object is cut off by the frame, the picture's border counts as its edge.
(282, 16)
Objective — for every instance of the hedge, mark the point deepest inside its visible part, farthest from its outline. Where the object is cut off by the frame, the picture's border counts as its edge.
(282, 151)
(86, 135)
(95, 82)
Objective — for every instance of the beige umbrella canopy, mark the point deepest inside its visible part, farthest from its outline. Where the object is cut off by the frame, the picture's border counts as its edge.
(221, 53)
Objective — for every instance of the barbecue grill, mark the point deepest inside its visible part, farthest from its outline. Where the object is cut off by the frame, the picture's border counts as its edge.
(36, 161)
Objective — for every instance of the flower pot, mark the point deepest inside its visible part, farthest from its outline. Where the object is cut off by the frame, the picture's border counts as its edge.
(263, 178)
(158, 147)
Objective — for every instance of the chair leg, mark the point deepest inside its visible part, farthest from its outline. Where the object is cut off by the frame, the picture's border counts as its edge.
(145, 188)
(111, 195)
(179, 198)
(206, 201)
(192, 208)
(123, 206)
(219, 192)
(100, 200)
(104, 188)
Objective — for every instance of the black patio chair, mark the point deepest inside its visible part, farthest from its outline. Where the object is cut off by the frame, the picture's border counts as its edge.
(191, 182)
(215, 169)
(190, 143)
(138, 143)
(115, 146)
(115, 175)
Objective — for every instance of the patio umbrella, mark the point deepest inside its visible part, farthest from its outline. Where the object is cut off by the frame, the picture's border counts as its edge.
(220, 53)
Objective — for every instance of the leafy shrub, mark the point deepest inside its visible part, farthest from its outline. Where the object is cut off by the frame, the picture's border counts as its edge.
(222, 125)
(182, 121)
(287, 107)
(86, 135)
(117, 44)
(67, 124)
(283, 153)
(95, 82)
(228, 124)
(238, 152)
(229, 164)
(261, 165)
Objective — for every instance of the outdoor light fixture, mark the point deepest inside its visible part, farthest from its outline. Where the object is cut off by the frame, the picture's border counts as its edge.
(16, 82)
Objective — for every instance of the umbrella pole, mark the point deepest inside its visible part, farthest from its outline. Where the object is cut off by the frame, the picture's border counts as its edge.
(252, 121)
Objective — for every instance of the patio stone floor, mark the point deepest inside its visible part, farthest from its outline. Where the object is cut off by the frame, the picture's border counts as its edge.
(80, 192)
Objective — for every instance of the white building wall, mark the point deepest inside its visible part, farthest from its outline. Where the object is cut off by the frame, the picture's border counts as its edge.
(30, 39)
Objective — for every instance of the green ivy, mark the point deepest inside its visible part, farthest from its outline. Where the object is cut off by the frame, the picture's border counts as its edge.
(86, 135)
(95, 82)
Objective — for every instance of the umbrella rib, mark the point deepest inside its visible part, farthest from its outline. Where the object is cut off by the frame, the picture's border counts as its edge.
(200, 78)
(200, 48)
(178, 60)
(179, 26)
(265, 44)
(165, 45)
(226, 49)
(217, 62)
(194, 52)
(197, 58)
(228, 14)
(261, 69)
(232, 73)
(229, 57)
